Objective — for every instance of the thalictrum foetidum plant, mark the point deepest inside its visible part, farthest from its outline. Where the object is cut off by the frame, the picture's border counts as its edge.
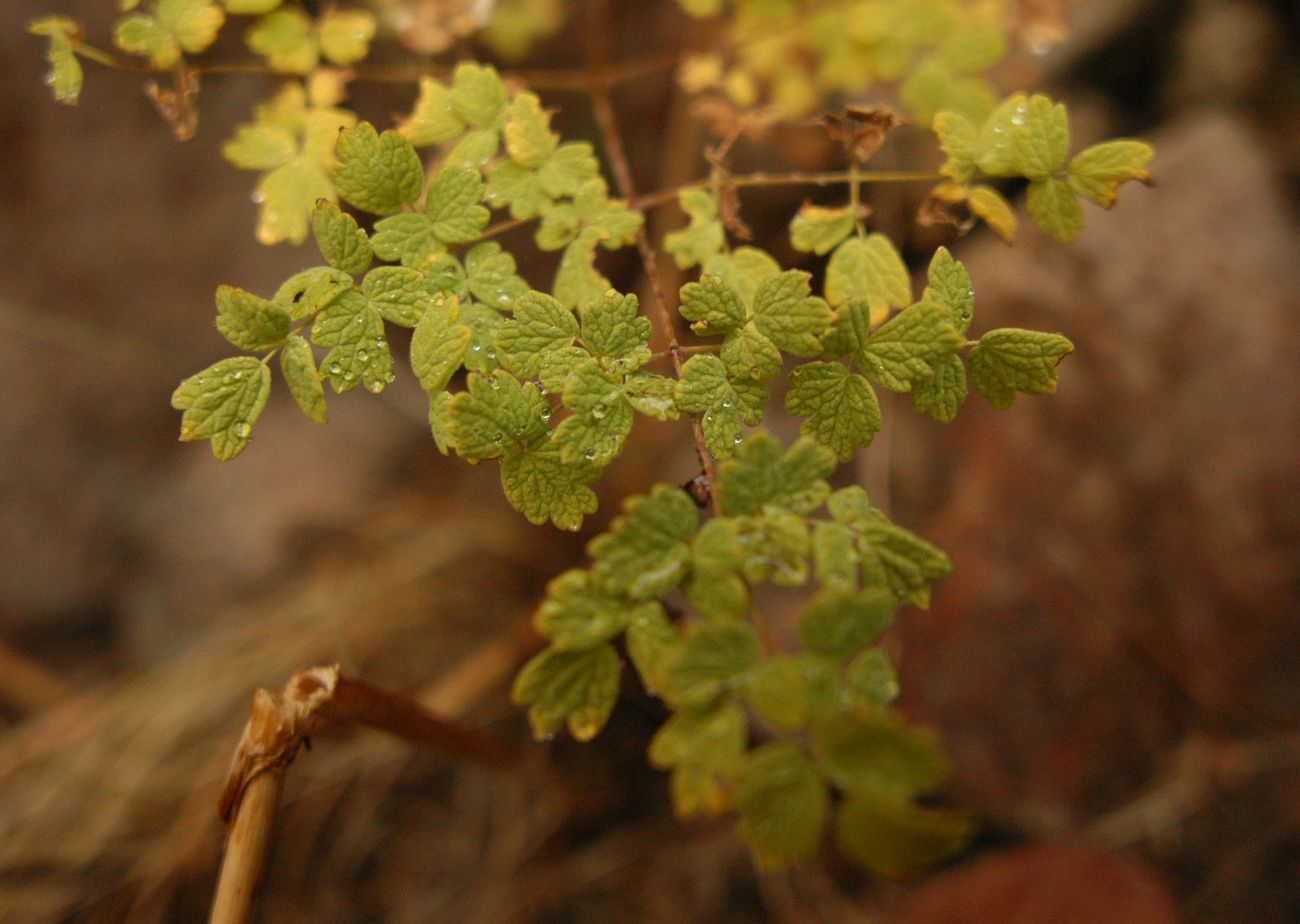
(546, 378)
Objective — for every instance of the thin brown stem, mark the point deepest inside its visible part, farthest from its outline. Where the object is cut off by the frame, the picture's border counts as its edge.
(598, 41)
(686, 351)
(793, 178)
(557, 80)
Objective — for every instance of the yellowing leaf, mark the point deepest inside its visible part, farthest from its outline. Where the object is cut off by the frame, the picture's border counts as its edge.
(222, 403)
(1025, 136)
(1010, 360)
(1097, 172)
(174, 27)
(818, 230)
(988, 204)
(871, 270)
(65, 70)
(782, 803)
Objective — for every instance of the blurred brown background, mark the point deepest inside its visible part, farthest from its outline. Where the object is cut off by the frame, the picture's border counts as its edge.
(1113, 663)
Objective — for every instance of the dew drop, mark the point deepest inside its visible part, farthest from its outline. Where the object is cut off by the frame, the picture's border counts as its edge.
(494, 382)
(375, 386)
(546, 413)
(498, 437)
(363, 356)
(736, 439)
(335, 369)
(348, 376)
(238, 376)
(589, 454)
(598, 411)
(726, 402)
(242, 429)
(492, 355)
(477, 347)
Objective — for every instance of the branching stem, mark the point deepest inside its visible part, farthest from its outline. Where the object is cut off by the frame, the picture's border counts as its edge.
(598, 41)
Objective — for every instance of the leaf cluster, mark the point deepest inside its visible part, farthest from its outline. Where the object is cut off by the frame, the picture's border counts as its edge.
(793, 742)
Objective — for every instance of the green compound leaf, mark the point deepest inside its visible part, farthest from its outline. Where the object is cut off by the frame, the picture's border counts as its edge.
(849, 331)
(645, 553)
(614, 332)
(743, 269)
(249, 322)
(714, 587)
(343, 245)
(287, 40)
(840, 624)
(841, 408)
(870, 678)
(397, 293)
(902, 353)
(871, 270)
(1025, 136)
(305, 293)
(710, 662)
(222, 403)
(788, 315)
(407, 238)
(491, 277)
(542, 487)
(591, 213)
(761, 477)
(950, 286)
(873, 750)
(602, 417)
(819, 230)
(1097, 172)
(1054, 208)
(345, 35)
(782, 803)
(712, 306)
(895, 838)
(541, 325)
(987, 203)
(355, 329)
(959, 140)
(530, 191)
(703, 237)
(891, 557)
(175, 26)
(787, 691)
(474, 151)
(577, 614)
(478, 97)
(293, 143)
(298, 366)
(439, 344)
(1010, 360)
(705, 389)
(835, 556)
(65, 75)
(775, 547)
(432, 120)
(943, 394)
(651, 643)
(377, 173)
(749, 354)
(577, 283)
(495, 415)
(558, 365)
(453, 206)
(702, 747)
(563, 686)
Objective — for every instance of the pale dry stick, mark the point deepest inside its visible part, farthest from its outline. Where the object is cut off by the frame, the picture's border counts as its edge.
(278, 726)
